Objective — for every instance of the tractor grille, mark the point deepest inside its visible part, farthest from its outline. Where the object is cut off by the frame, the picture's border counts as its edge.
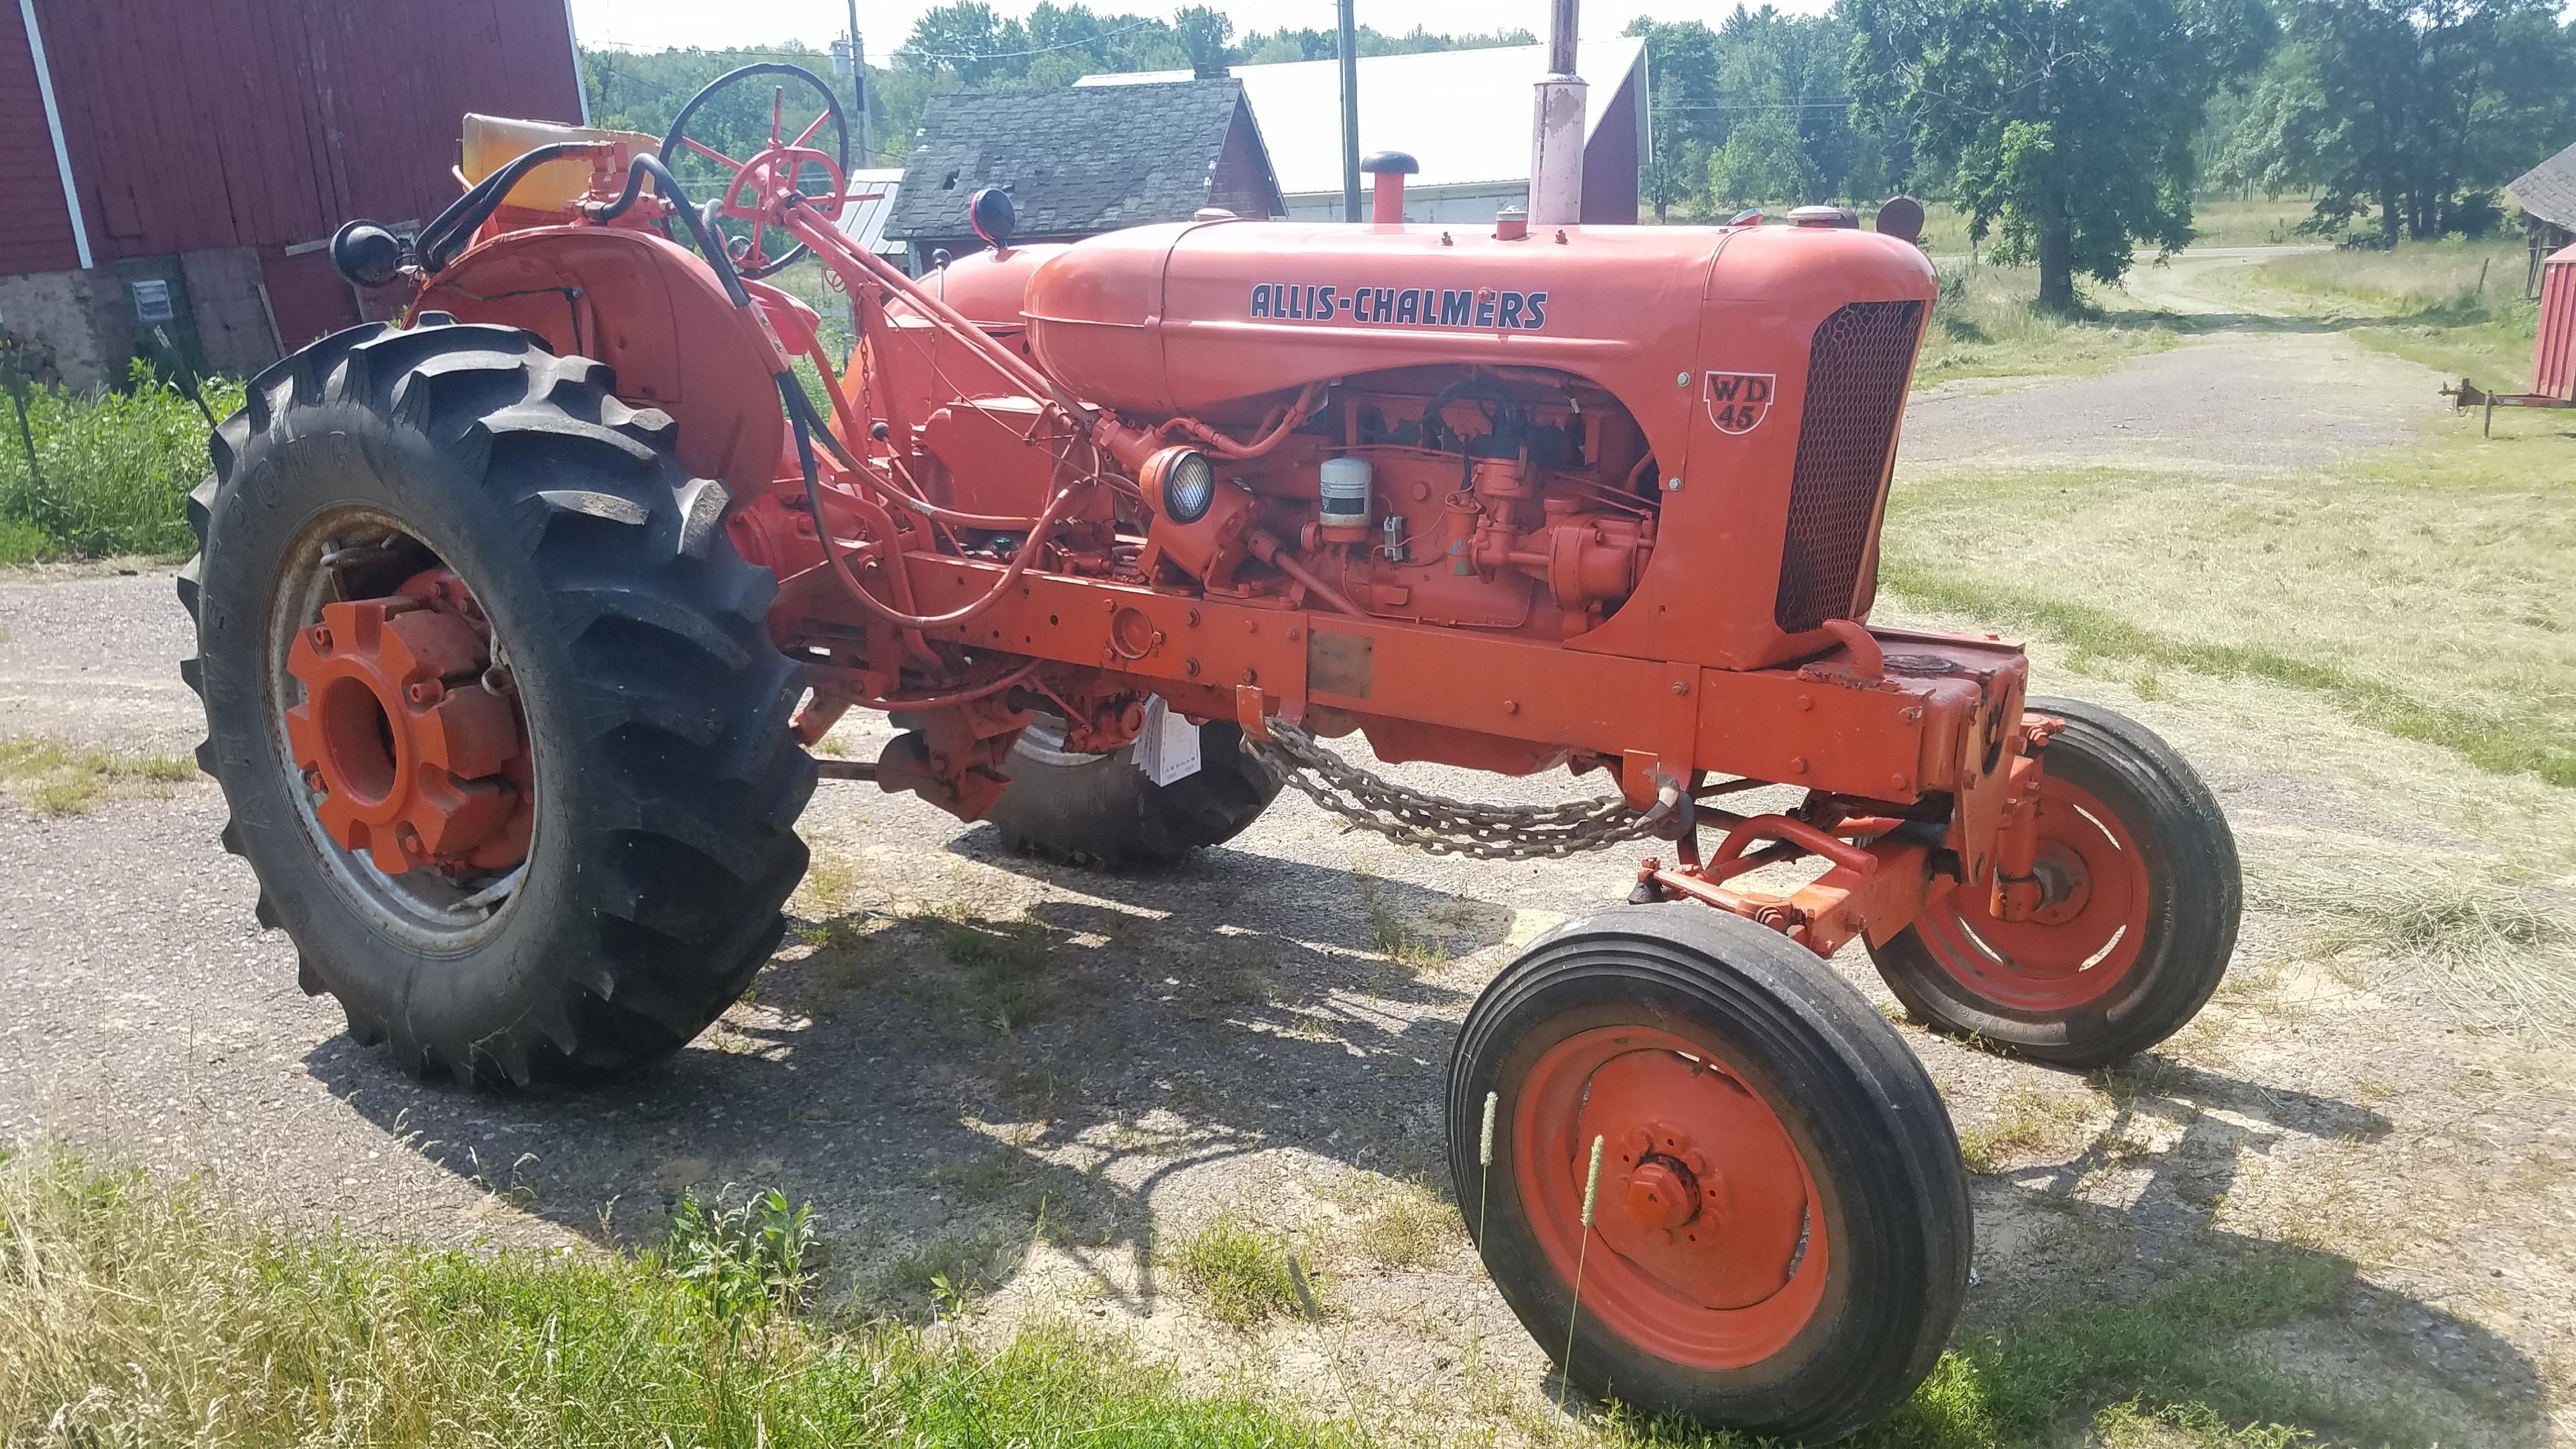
(1855, 394)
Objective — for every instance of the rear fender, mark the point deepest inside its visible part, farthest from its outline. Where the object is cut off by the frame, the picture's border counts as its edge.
(648, 308)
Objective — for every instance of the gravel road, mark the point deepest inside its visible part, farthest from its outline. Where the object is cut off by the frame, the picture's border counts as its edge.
(1228, 1033)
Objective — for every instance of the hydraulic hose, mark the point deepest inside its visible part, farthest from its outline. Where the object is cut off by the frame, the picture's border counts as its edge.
(447, 232)
(804, 424)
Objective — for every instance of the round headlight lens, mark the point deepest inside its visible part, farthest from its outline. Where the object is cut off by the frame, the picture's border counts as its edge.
(1189, 486)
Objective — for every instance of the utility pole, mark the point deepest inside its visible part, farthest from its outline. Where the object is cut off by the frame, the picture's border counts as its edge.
(859, 88)
(1350, 111)
(1556, 139)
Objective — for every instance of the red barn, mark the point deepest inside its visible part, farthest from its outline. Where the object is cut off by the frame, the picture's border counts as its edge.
(167, 162)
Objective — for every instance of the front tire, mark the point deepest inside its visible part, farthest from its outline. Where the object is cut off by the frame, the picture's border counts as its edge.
(2141, 938)
(644, 713)
(1781, 1234)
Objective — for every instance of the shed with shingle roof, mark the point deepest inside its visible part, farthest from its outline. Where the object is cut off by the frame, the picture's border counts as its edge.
(2547, 195)
(1082, 160)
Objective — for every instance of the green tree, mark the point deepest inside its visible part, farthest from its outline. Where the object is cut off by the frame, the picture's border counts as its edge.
(1681, 65)
(2068, 124)
(2410, 109)
(1764, 159)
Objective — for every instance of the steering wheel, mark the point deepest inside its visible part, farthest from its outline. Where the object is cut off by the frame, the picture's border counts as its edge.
(779, 154)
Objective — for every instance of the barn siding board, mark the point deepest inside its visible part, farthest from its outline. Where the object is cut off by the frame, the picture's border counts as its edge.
(35, 228)
(262, 126)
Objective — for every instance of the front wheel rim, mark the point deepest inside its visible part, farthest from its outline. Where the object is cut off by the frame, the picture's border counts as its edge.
(2074, 950)
(1709, 1245)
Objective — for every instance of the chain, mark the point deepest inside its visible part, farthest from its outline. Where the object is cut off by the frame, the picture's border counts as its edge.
(1443, 826)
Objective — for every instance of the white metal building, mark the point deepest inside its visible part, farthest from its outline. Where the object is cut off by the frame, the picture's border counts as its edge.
(1463, 114)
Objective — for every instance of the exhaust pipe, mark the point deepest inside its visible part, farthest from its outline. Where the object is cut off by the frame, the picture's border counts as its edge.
(1556, 140)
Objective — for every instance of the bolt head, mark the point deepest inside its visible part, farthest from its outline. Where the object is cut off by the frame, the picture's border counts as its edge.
(1672, 485)
(321, 638)
(1251, 676)
(1797, 764)
(314, 781)
(1681, 379)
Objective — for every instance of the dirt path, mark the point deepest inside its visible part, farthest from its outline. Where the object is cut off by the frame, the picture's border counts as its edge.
(1239, 1034)
(2257, 391)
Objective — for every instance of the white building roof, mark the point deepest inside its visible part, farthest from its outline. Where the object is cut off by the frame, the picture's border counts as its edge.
(1463, 114)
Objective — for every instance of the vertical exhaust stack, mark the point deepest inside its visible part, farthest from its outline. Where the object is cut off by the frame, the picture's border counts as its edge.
(1556, 140)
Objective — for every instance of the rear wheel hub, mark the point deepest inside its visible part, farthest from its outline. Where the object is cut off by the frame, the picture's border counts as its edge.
(408, 755)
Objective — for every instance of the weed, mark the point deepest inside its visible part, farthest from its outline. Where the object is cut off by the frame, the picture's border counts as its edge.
(943, 1269)
(1003, 962)
(741, 1261)
(2028, 1118)
(59, 779)
(2131, 1424)
(1238, 1269)
(1408, 1226)
(112, 469)
(1396, 937)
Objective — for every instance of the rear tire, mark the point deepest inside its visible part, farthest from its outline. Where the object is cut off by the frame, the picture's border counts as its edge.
(2072, 993)
(1782, 1231)
(655, 711)
(1100, 810)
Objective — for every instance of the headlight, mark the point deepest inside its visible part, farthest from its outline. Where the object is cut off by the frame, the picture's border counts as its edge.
(1188, 483)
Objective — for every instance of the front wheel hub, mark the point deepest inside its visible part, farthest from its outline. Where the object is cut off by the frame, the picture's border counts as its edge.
(409, 757)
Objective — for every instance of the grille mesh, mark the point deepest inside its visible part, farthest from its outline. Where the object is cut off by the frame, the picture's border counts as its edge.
(1855, 395)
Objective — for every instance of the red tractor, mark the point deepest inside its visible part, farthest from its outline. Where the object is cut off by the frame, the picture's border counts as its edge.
(515, 619)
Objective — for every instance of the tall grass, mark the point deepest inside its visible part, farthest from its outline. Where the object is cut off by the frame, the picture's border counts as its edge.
(112, 468)
(2452, 305)
(1987, 324)
(134, 1312)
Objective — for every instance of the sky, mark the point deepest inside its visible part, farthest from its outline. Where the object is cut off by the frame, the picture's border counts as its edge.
(884, 24)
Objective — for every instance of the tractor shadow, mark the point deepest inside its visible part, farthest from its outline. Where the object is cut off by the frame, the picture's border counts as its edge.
(952, 1084)
(976, 1096)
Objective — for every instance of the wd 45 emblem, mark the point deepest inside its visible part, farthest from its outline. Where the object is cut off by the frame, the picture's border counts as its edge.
(1737, 401)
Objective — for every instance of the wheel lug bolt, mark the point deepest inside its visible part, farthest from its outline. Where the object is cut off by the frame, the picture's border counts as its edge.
(321, 638)
(314, 782)
(409, 839)
(1696, 1163)
(426, 692)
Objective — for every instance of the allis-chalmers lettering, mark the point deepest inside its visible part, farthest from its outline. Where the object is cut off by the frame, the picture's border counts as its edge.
(1486, 310)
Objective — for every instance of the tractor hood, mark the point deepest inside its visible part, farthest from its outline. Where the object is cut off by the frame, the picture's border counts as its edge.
(1192, 315)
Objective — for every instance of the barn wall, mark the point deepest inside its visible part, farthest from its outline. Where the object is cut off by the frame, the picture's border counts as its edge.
(1242, 183)
(269, 122)
(35, 227)
(1611, 159)
(218, 145)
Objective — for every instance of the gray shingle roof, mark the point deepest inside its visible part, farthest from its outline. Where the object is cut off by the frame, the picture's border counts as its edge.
(1079, 159)
(2548, 190)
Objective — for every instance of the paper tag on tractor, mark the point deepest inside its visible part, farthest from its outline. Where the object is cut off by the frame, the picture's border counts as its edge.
(1167, 749)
